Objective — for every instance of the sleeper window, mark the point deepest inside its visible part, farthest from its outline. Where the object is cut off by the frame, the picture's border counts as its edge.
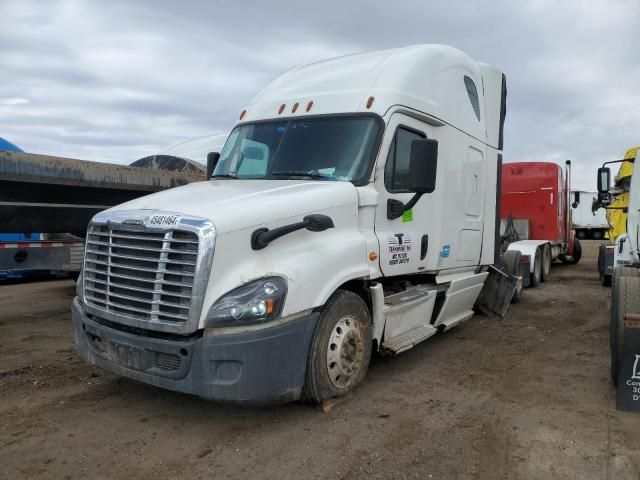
(472, 91)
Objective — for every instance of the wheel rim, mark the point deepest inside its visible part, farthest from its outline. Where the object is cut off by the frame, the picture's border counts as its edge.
(345, 352)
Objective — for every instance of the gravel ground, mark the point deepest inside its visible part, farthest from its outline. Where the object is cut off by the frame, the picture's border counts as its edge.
(527, 397)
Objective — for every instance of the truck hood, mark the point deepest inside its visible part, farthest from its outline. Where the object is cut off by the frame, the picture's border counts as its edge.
(236, 204)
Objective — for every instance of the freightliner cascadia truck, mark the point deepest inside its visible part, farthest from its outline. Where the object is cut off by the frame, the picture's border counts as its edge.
(535, 212)
(352, 209)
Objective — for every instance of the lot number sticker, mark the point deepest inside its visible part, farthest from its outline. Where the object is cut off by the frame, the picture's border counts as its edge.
(163, 220)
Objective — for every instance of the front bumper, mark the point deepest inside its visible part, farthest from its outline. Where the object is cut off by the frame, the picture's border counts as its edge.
(265, 366)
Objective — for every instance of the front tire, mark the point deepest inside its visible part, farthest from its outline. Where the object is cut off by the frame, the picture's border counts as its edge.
(577, 251)
(340, 349)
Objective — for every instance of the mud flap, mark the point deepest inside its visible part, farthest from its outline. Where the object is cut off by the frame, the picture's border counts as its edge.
(497, 292)
(628, 384)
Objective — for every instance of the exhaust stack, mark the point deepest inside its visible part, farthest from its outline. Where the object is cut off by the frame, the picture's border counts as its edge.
(567, 232)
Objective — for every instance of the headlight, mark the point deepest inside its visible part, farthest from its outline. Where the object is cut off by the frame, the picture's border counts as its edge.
(256, 302)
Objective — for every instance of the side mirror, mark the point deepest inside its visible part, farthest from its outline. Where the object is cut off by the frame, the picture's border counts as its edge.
(317, 222)
(576, 199)
(604, 180)
(212, 161)
(423, 165)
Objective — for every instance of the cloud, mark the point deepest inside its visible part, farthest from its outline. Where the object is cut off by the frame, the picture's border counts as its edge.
(10, 101)
(119, 80)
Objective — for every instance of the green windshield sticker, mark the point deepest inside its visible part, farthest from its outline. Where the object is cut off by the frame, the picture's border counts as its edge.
(407, 216)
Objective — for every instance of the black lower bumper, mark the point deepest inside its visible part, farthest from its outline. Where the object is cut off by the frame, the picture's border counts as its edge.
(264, 366)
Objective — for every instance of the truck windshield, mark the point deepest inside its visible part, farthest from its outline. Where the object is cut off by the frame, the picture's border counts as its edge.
(322, 148)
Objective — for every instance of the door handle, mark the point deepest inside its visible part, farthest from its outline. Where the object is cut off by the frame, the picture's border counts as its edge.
(424, 246)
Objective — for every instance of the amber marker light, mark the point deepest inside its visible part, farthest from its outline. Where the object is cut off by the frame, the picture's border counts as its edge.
(281, 108)
(242, 114)
(269, 305)
(309, 105)
(373, 256)
(370, 102)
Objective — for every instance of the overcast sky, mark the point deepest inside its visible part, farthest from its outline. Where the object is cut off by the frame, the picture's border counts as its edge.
(119, 80)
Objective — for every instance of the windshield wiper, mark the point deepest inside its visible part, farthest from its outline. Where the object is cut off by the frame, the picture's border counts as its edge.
(318, 175)
(225, 175)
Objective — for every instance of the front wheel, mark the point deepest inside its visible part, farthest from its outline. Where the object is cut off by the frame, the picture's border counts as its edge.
(577, 251)
(340, 349)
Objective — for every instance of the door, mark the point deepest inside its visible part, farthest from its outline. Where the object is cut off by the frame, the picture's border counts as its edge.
(469, 242)
(403, 241)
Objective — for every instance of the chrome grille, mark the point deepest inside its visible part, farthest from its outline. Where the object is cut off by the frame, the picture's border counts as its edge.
(142, 275)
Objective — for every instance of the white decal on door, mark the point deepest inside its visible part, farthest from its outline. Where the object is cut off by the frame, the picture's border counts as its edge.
(399, 248)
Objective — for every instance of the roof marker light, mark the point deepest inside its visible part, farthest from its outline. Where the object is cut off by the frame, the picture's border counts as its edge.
(281, 109)
(309, 105)
(295, 107)
(242, 114)
(370, 102)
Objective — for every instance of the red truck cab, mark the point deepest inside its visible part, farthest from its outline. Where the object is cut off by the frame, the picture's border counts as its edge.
(535, 196)
(536, 191)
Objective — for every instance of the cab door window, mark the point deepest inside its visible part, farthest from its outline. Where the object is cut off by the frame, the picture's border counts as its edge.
(396, 170)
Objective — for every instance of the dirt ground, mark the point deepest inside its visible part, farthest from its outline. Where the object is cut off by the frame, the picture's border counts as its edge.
(527, 397)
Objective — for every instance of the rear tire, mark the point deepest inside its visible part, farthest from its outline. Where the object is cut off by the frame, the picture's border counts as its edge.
(514, 266)
(546, 262)
(340, 348)
(581, 234)
(625, 298)
(596, 234)
(536, 275)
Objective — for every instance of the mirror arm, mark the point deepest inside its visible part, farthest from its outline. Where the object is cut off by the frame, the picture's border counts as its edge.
(262, 237)
(395, 208)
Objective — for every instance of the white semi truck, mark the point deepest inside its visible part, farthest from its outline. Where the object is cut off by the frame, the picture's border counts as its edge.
(625, 280)
(353, 209)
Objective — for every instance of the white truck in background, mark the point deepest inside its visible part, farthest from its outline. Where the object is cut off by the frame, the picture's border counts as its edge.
(587, 223)
(354, 208)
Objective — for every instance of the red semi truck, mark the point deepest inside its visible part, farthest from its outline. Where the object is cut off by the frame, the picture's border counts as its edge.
(535, 215)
